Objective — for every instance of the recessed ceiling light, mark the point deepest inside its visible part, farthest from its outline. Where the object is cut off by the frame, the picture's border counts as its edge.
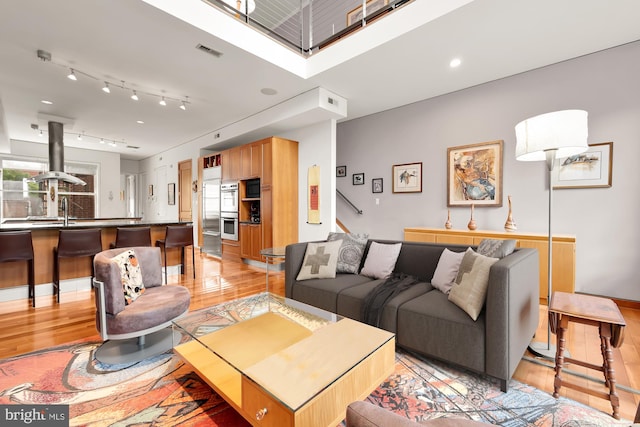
(268, 91)
(455, 62)
(44, 101)
(140, 122)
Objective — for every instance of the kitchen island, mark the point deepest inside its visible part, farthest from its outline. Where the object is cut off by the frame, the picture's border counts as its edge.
(75, 273)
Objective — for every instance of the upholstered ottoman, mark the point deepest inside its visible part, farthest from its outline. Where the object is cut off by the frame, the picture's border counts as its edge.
(366, 414)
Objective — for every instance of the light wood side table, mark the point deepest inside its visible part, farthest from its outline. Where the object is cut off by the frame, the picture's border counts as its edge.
(589, 310)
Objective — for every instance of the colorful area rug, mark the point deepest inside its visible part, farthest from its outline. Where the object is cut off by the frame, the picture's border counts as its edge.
(163, 391)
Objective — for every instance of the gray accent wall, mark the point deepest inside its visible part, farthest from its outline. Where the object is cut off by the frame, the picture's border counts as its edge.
(605, 221)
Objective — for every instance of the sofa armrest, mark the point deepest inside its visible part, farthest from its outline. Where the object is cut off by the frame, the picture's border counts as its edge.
(512, 311)
(366, 414)
(294, 255)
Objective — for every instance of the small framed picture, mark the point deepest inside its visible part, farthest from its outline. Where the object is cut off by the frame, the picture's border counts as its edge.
(358, 178)
(171, 193)
(407, 178)
(341, 171)
(376, 185)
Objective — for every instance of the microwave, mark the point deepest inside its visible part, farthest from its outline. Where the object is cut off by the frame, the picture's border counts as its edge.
(252, 188)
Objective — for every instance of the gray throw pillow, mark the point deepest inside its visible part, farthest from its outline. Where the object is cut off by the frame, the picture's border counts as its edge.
(496, 248)
(351, 251)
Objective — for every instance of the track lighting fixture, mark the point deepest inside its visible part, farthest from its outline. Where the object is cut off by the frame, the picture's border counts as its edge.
(108, 84)
(81, 136)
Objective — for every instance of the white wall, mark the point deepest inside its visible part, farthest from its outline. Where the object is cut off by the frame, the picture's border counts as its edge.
(604, 220)
(316, 146)
(159, 171)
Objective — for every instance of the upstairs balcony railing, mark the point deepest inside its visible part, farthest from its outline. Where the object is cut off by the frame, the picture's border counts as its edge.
(307, 26)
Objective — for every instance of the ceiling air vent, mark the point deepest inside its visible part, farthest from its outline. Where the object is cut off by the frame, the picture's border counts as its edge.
(209, 50)
(133, 147)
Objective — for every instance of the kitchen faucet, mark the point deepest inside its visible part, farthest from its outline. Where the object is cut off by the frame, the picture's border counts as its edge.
(65, 211)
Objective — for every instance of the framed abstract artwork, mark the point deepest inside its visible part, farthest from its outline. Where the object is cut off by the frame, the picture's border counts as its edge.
(591, 169)
(474, 174)
(407, 178)
(341, 171)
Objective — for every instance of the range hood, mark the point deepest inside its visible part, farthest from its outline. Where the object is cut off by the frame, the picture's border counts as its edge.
(56, 157)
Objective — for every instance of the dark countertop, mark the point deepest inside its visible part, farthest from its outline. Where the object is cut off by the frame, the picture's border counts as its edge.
(55, 224)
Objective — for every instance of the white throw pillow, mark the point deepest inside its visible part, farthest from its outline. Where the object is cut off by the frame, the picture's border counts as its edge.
(470, 290)
(381, 260)
(320, 260)
(446, 270)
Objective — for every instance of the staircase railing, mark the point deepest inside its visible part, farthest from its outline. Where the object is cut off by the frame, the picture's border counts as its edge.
(355, 208)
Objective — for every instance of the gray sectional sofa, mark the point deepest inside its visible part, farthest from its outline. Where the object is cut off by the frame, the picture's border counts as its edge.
(423, 318)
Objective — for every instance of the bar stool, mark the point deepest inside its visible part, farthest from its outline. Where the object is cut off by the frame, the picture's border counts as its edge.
(18, 246)
(72, 244)
(128, 237)
(178, 236)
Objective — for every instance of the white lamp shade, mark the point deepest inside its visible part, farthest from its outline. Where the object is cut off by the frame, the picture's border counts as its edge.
(565, 131)
(243, 5)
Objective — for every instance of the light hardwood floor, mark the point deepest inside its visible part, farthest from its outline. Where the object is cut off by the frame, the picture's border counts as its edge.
(26, 329)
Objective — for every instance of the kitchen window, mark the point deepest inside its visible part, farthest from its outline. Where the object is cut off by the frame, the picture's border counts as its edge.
(22, 199)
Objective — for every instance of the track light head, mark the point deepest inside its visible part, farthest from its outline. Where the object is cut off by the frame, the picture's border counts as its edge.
(105, 88)
(72, 75)
(135, 96)
(163, 102)
(183, 107)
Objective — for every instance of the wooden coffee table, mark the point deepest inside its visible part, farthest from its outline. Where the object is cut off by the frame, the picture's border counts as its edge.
(288, 364)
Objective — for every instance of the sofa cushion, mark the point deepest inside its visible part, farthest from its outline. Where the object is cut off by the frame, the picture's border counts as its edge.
(323, 293)
(431, 325)
(447, 270)
(130, 275)
(320, 260)
(470, 290)
(381, 260)
(351, 300)
(496, 248)
(351, 251)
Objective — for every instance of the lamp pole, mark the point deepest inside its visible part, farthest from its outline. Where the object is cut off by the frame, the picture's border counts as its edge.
(537, 348)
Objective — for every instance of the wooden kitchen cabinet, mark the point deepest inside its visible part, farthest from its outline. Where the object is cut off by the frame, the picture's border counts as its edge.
(231, 168)
(250, 241)
(278, 196)
(563, 251)
(251, 160)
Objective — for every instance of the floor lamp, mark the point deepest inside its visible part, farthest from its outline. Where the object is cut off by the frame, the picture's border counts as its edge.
(549, 137)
